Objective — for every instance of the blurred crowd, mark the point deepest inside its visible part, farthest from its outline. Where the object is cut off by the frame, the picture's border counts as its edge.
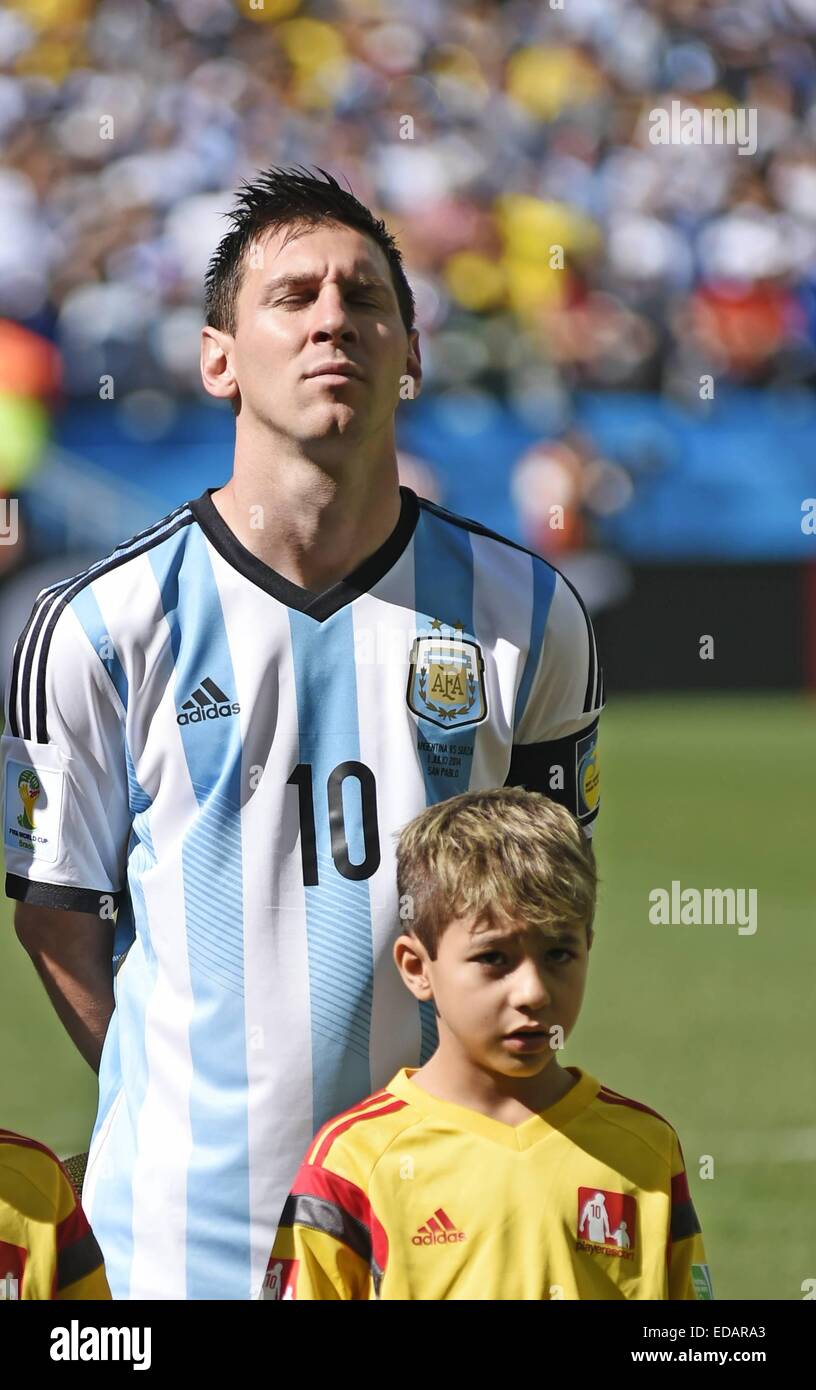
(551, 244)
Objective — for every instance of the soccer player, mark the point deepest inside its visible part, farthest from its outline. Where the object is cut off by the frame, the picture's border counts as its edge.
(47, 1248)
(492, 1172)
(218, 730)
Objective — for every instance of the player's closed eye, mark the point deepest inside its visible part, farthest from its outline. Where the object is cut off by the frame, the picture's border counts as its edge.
(360, 297)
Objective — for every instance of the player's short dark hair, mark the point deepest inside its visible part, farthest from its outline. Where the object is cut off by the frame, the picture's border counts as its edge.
(291, 197)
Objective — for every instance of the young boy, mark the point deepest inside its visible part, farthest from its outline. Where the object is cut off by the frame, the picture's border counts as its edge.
(492, 1172)
(47, 1248)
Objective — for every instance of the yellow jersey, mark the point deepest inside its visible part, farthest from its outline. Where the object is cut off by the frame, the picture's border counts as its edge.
(47, 1248)
(407, 1196)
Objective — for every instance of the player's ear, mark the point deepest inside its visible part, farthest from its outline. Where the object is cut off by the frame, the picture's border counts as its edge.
(216, 369)
(413, 363)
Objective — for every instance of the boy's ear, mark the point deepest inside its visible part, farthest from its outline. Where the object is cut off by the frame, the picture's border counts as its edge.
(590, 938)
(409, 958)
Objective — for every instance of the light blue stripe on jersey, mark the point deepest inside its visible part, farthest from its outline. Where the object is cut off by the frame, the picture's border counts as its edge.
(443, 589)
(338, 909)
(125, 1052)
(218, 1212)
(543, 581)
(87, 610)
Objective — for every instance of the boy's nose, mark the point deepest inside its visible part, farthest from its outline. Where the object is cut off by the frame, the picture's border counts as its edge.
(531, 988)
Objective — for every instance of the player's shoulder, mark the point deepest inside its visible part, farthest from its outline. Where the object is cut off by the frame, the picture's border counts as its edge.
(568, 612)
(638, 1119)
(478, 528)
(351, 1143)
(39, 1168)
(109, 575)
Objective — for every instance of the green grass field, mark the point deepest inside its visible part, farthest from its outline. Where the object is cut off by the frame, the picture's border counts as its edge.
(710, 1027)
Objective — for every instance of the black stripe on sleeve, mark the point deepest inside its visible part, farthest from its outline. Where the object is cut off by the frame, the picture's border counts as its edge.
(684, 1221)
(59, 895)
(531, 766)
(78, 1260)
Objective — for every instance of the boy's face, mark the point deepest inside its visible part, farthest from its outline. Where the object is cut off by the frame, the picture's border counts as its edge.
(492, 979)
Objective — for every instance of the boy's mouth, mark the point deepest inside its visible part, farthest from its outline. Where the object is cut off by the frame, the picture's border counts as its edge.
(528, 1039)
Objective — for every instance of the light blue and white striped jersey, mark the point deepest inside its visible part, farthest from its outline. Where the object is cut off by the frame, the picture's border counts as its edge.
(227, 759)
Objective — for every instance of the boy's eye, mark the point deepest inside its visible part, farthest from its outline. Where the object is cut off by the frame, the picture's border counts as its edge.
(491, 958)
(561, 951)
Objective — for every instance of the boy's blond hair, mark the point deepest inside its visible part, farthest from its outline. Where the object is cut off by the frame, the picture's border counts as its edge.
(507, 851)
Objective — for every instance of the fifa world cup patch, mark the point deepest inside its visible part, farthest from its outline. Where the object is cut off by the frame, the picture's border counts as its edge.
(446, 683)
(606, 1222)
(33, 809)
(280, 1280)
(587, 774)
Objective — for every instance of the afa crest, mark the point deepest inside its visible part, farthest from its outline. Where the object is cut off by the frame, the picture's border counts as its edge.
(446, 681)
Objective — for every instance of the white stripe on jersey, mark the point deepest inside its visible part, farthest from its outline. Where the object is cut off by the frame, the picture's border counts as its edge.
(502, 617)
(163, 1131)
(278, 1045)
(561, 689)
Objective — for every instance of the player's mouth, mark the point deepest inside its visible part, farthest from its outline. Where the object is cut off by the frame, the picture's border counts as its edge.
(335, 370)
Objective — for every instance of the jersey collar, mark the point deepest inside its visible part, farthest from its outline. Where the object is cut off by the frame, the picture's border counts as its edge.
(523, 1136)
(317, 606)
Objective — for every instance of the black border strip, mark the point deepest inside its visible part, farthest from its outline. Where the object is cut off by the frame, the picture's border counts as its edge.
(27, 890)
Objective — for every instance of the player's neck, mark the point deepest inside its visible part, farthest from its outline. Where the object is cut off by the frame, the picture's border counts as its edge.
(307, 523)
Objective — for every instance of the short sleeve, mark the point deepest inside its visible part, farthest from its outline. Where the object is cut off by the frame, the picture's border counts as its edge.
(323, 1247)
(64, 768)
(555, 740)
(688, 1272)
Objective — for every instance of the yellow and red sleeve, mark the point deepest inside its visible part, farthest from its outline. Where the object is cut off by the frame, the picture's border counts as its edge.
(688, 1272)
(329, 1244)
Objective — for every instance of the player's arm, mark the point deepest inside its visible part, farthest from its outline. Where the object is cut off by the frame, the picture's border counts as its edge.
(558, 703)
(80, 1272)
(72, 953)
(688, 1273)
(323, 1247)
(66, 815)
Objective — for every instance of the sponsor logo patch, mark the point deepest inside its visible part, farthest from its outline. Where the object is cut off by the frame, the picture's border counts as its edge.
(439, 1230)
(701, 1280)
(606, 1222)
(280, 1280)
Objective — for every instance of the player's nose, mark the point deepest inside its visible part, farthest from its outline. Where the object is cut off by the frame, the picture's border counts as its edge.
(332, 318)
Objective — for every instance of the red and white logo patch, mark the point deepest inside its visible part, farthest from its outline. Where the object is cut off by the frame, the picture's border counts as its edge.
(281, 1280)
(606, 1220)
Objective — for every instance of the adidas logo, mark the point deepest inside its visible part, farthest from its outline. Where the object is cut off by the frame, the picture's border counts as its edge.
(440, 1230)
(208, 701)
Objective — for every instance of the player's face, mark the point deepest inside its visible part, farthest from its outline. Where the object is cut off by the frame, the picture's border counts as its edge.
(325, 295)
(491, 980)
